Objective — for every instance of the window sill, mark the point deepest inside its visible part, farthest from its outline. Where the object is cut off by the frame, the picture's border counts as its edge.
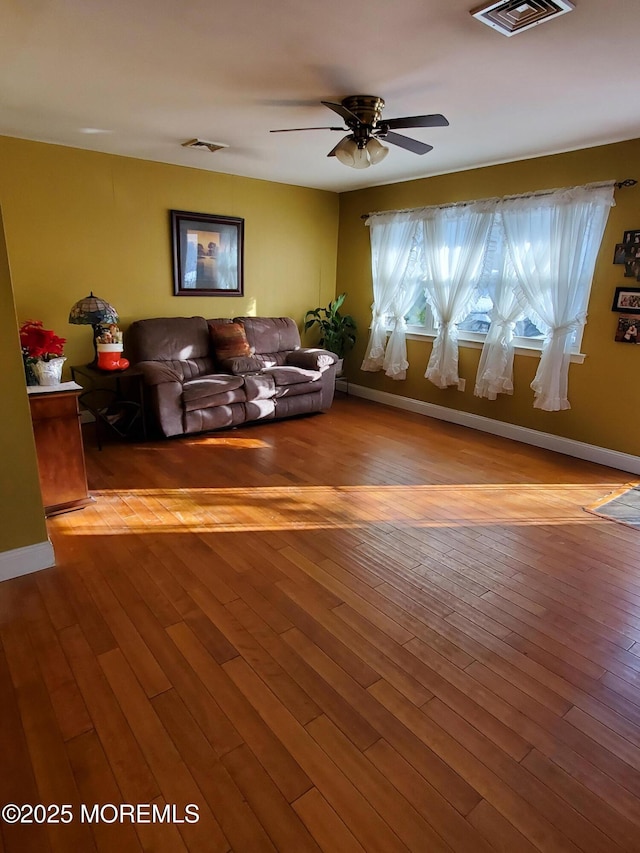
(533, 349)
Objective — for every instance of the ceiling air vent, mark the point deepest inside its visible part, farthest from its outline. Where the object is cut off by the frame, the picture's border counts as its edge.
(515, 16)
(203, 143)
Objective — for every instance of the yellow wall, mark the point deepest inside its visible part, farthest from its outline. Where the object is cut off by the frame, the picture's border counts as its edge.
(604, 391)
(20, 500)
(79, 220)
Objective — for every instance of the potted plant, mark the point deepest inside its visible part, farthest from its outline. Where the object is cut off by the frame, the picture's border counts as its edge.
(42, 353)
(337, 331)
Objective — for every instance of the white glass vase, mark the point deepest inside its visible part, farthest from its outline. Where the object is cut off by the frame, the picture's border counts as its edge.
(49, 372)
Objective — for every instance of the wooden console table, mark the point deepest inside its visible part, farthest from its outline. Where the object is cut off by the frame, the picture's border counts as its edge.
(56, 428)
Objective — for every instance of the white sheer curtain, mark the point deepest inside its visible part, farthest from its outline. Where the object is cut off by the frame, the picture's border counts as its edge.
(553, 241)
(454, 241)
(395, 358)
(392, 239)
(495, 369)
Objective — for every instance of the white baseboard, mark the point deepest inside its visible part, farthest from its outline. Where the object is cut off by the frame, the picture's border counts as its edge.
(548, 441)
(23, 561)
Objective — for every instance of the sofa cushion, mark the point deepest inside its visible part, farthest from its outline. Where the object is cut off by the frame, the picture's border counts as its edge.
(167, 339)
(229, 340)
(301, 405)
(240, 365)
(217, 417)
(259, 386)
(292, 375)
(213, 390)
(296, 390)
(271, 359)
(227, 398)
(270, 334)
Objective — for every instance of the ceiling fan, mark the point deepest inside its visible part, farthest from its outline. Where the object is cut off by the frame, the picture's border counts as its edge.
(362, 116)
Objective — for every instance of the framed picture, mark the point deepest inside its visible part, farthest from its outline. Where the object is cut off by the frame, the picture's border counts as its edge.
(207, 254)
(631, 237)
(627, 299)
(625, 252)
(632, 268)
(628, 331)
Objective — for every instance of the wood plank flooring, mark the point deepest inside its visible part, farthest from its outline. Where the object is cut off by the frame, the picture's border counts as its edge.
(359, 631)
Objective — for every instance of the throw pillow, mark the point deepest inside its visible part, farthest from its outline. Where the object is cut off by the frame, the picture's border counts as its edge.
(229, 340)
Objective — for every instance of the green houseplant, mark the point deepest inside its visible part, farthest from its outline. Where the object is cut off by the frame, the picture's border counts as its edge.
(337, 331)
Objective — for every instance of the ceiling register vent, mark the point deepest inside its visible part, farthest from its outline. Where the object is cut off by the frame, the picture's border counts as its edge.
(204, 144)
(516, 16)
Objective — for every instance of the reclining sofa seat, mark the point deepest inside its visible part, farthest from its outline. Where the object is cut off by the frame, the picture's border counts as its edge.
(190, 391)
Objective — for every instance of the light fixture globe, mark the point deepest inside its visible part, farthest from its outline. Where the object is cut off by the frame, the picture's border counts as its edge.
(360, 153)
(345, 151)
(376, 151)
(361, 159)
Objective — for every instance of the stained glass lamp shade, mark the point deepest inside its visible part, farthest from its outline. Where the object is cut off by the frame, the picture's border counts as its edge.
(93, 311)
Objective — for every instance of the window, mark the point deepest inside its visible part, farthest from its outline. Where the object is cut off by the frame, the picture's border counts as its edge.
(420, 319)
(475, 325)
(484, 271)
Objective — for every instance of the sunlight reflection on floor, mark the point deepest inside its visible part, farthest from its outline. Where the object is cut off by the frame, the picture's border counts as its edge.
(318, 507)
(228, 442)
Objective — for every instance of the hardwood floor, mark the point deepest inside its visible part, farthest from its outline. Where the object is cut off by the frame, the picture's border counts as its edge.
(360, 631)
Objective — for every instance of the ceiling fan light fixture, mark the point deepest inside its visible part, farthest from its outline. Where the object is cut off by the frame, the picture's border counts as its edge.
(360, 156)
(376, 151)
(346, 150)
(361, 159)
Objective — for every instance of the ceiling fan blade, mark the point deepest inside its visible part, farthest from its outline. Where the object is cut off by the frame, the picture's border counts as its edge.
(295, 129)
(436, 120)
(332, 153)
(405, 142)
(346, 114)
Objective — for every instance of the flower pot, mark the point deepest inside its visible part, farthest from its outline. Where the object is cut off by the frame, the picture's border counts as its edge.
(29, 373)
(49, 372)
(109, 357)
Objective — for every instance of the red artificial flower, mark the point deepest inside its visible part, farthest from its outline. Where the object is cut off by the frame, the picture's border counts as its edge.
(37, 342)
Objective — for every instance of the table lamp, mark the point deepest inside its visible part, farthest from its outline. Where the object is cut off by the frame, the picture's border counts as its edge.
(93, 311)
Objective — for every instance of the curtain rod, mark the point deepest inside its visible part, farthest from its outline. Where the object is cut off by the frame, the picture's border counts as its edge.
(627, 182)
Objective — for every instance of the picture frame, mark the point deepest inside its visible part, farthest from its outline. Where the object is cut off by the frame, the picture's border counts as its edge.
(208, 254)
(628, 330)
(627, 300)
(632, 269)
(625, 252)
(632, 236)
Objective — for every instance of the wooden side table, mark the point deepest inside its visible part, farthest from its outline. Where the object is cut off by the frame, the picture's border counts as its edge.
(115, 398)
(56, 428)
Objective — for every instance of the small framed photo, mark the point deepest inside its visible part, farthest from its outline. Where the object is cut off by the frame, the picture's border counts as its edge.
(631, 237)
(632, 269)
(207, 254)
(627, 300)
(628, 331)
(625, 252)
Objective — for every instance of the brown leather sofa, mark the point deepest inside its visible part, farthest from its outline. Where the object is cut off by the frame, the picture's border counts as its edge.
(189, 390)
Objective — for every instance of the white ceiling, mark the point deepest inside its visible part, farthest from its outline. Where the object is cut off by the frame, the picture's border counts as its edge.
(150, 74)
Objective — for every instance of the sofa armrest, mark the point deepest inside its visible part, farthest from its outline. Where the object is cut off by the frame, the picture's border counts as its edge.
(164, 397)
(157, 372)
(312, 358)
